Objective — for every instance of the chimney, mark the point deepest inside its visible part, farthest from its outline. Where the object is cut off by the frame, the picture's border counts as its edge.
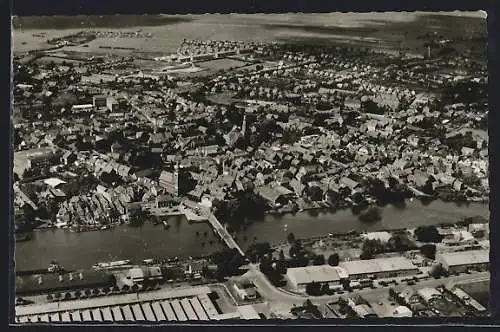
(81, 276)
(61, 279)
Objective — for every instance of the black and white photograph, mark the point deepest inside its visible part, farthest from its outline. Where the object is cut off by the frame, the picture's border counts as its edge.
(215, 168)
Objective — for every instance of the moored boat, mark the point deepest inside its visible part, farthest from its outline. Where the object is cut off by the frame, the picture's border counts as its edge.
(110, 265)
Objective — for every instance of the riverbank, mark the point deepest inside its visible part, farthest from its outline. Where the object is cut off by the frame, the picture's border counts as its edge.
(184, 239)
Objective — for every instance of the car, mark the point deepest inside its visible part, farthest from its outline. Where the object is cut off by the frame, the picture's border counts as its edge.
(410, 283)
(380, 303)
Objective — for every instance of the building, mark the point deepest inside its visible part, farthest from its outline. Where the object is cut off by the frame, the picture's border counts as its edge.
(300, 277)
(99, 101)
(383, 237)
(245, 290)
(461, 261)
(390, 267)
(401, 312)
(83, 108)
(142, 274)
(40, 158)
(112, 105)
(170, 182)
(40, 284)
(429, 294)
(275, 196)
(177, 305)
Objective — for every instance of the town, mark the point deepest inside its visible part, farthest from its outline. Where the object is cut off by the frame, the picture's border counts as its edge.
(199, 147)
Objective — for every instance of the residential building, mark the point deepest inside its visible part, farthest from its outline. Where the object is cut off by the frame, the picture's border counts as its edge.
(245, 290)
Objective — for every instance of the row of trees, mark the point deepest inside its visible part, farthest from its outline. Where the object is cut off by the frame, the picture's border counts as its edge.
(397, 243)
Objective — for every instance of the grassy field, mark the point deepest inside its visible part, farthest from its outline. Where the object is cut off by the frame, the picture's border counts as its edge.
(221, 64)
(480, 291)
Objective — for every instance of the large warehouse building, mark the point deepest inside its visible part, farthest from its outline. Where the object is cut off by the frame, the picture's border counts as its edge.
(390, 267)
(462, 260)
(300, 277)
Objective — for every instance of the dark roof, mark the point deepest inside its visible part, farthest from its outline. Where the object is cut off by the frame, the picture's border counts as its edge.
(50, 282)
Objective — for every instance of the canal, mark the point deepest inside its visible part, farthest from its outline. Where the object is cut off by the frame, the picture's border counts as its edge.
(182, 239)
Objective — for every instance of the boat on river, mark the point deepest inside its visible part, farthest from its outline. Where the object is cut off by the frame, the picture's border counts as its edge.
(111, 265)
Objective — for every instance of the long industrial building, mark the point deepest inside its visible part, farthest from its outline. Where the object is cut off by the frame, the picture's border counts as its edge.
(300, 277)
(460, 261)
(192, 304)
(390, 267)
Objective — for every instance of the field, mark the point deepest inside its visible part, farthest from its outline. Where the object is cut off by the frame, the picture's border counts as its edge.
(478, 290)
(221, 64)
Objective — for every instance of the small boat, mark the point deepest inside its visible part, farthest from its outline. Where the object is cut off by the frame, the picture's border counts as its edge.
(148, 261)
(104, 227)
(107, 265)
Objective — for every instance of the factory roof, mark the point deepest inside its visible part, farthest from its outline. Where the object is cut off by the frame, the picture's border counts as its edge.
(465, 257)
(377, 265)
(319, 273)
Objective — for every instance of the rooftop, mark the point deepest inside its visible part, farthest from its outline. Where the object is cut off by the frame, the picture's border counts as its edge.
(377, 265)
(320, 273)
(465, 257)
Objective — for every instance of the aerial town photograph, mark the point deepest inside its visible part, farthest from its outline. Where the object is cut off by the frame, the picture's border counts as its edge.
(175, 169)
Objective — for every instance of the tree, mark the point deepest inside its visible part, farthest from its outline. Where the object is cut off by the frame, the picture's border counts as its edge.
(437, 271)
(429, 251)
(49, 297)
(428, 234)
(57, 296)
(371, 248)
(125, 288)
(400, 242)
(87, 292)
(334, 259)
(313, 288)
(67, 296)
(319, 260)
(78, 294)
(281, 255)
(291, 238)
(135, 288)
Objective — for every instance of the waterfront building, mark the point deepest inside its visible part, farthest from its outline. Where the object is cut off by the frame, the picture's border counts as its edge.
(170, 182)
(141, 274)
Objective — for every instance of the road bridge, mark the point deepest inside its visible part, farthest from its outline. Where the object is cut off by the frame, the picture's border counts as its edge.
(216, 225)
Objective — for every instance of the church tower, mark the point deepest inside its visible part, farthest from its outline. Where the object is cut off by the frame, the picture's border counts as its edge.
(244, 125)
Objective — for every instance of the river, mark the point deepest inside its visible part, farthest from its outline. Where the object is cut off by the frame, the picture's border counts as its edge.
(82, 250)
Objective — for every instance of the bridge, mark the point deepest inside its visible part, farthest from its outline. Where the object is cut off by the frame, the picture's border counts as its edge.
(216, 225)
